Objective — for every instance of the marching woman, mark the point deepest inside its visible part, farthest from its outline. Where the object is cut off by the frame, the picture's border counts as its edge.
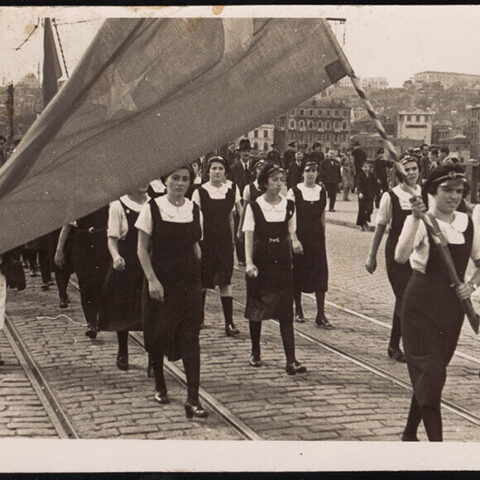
(218, 198)
(432, 314)
(394, 208)
(170, 228)
(269, 228)
(90, 262)
(122, 296)
(310, 268)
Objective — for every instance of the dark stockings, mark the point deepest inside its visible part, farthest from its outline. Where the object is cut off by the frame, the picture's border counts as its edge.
(396, 333)
(320, 296)
(157, 364)
(432, 419)
(122, 338)
(227, 305)
(204, 297)
(255, 330)
(297, 297)
(61, 278)
(286, 330)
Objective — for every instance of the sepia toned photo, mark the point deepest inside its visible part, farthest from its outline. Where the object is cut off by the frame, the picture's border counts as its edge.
(239, 238)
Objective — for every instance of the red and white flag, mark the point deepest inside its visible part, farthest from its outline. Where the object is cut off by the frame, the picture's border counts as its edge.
(152, 94)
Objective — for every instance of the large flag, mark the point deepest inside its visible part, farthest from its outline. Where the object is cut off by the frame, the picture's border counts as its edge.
(52, 70)
(152, 94)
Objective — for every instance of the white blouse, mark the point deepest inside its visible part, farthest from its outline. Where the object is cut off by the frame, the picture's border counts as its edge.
(385, 211)
(309, 194)
(217, 193)
(247, 189)
(117, 219)
(168, 211)
(272, 213)
(453, 233)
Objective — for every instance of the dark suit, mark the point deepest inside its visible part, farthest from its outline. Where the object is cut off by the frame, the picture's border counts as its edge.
(288, 158)
(317, 157)
(367, 186)
(240, 175)
(294, 174)
(359, 158)
(329, 174)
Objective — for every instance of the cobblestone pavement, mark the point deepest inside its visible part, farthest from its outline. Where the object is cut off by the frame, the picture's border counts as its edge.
(336, 400)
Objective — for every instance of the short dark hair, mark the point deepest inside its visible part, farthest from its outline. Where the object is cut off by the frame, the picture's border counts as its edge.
(444, 149)
(182, 167)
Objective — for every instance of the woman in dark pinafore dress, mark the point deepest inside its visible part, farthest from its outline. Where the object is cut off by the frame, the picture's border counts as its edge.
(269, 229)
(432, 314)
(310, 269)
(90, 261)
(122, 296)
(169, 232)
(394, 208)
(218, 198)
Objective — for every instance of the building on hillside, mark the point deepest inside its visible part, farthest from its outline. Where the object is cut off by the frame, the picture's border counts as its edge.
(473, 127)
(370, 143)
(374, 83)
(447, 79)
(261, 138)
(415, 125)
(324, 121)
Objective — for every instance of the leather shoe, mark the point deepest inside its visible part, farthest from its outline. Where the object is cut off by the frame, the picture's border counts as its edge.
(299, 318)
(45, 287)
(196, 411)
(323, 323)
(91, 332)
(63, 304)
(122, 362)
(161, 397)
(255, 361)
(231, 330)
(396, 354)
(409, 438)
(295, 367)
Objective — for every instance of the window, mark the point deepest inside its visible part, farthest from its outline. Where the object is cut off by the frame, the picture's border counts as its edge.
(322, 136)
(265, 134)
(255, 133)
(310, 125)
(320, 125)
(335, 138)
(336, 113)
(417, 118)
(320, 113)
(292, 123)
(327, 137)
(336, 126)
(293, 112)
(345, 113)
(301, 124)
(311, 112)
(255, 145)
(301, 112)
(328, 113)
(409, 118)
(328, 125)
(265, 146)
(344, 125)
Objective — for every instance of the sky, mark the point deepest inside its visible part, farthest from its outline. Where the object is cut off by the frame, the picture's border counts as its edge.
(380, 41)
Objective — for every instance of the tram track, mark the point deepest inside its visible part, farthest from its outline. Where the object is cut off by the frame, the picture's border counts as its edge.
(45, 394)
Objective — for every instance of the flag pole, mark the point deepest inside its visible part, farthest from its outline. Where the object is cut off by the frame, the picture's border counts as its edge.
(428, 219)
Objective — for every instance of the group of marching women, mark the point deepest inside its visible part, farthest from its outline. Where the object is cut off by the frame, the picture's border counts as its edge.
(428, 312)
(146, 261)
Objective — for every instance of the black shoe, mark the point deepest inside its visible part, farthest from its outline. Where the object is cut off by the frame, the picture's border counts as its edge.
(45, 287)
(91, 332)
(161, 397)
(122, 362)
(409, 438)
(196, 411)
(231, 330)
(295, 367)
(299, 318)
(63, 304)
(396, 354)
(33, 273)
(255, 361)
(323, 323)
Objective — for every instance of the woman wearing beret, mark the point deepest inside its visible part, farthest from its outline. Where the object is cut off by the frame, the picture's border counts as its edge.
(432, 314)
(122, 296)
(170, 228)
(218, 198)
(395, 206)
(310, 272)
(269, 228)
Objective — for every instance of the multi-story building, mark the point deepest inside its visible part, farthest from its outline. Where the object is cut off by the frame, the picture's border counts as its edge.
(375, 83)
(324, 121)
(261, 138)
(447, 79)
(415, 125)
(474, 130)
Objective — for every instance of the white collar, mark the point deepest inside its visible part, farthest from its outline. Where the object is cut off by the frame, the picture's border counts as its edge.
(459, 224)
(268, 206)
(132, 204)
(223, 188)
(303, 188)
